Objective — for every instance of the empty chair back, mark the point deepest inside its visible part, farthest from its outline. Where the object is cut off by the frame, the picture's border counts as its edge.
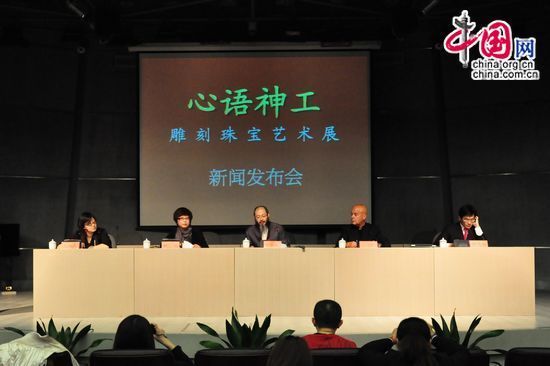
(125, 357)
(528, 356)
(258, 357)
(335, 356)
(231, 357)
(479, 357)
(60, 359)
(112, 239)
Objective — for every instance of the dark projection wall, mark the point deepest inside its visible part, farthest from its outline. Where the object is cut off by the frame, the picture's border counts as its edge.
(424, 107)
(37, 100)
(41, 113)
(68, 143)
(496, 137)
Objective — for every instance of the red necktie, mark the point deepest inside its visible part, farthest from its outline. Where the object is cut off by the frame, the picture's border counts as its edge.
(465, 233)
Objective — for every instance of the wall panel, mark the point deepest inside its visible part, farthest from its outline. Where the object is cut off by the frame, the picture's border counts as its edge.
(38, 205)
(409, 210)
(512, 209)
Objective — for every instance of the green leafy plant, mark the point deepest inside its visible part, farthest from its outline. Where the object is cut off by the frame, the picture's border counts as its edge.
(451, 331)
(66, 336)
(242, 335)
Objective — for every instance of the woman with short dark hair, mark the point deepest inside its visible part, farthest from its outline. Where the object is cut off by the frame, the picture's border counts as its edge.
(184, 232)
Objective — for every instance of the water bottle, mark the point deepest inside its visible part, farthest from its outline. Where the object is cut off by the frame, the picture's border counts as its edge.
(246, 243)
(52, 244)
(146, 244)
(341, 243)
(443, 243)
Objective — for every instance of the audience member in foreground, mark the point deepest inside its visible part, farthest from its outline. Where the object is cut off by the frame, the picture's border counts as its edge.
(33, 350)
(135, 332)
(184, 232)
(327, 318)
(414, 346)
(90, 234)
(290, 351)
(361, 230)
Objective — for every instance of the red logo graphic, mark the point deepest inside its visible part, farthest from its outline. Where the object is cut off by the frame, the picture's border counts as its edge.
(495, 40)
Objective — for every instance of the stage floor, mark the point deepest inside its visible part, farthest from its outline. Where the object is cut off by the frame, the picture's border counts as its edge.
(17, 311)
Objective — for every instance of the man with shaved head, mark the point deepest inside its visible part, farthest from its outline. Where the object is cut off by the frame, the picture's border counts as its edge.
(361, 230)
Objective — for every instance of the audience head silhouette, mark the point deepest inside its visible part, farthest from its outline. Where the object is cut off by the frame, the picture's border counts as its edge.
(290, 351)
(413, 336)
(327, 314)
(134, 332)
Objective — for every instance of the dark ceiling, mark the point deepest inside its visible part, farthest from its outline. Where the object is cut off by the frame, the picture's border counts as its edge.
(131, 22)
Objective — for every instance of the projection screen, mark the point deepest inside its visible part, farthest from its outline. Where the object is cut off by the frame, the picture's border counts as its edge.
(221, 133)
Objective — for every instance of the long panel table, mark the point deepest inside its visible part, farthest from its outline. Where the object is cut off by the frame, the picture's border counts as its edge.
(173, 282)
(488, 281)
(83, 283)
(283, 282)
(374, 282)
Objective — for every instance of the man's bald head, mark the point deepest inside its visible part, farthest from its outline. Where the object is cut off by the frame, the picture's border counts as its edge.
(359, 215)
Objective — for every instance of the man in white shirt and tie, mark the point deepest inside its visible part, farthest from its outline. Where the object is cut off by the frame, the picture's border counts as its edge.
(467, 227)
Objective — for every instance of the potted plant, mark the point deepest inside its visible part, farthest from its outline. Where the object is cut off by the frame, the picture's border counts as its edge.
(68, 337)
(242, 335)
(450, 330)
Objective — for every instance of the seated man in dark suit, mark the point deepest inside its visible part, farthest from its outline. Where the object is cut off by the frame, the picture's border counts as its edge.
(264, 228)
(327, 318)
(467, 227)
(361, 230)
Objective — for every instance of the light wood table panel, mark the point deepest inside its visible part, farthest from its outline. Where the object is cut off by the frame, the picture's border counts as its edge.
(385, 281)
(282, 282)
(487, 281)
(184, 282)
(83, 283)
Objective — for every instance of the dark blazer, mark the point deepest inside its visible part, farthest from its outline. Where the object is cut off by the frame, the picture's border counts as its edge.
(197, 237)
(275, 232)
(100, 237)
(180, 357)
(379, 353)
(453, 232)
(369, 232)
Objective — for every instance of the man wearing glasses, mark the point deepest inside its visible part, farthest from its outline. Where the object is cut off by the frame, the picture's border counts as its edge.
(467, 227)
